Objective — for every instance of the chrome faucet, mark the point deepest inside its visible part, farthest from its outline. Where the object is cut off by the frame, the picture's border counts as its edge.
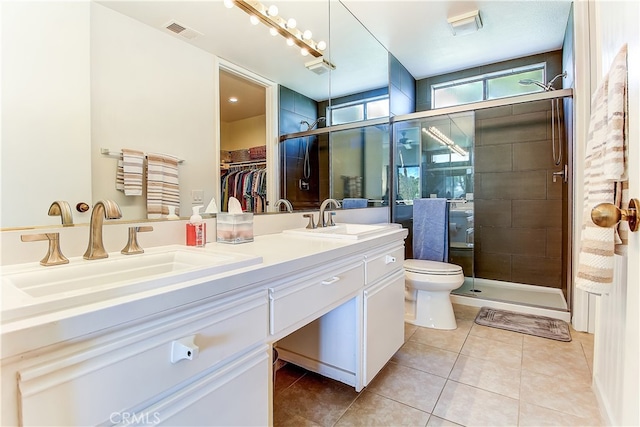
(321, 220)
(103, 209)
(284, 202)
(62, 208)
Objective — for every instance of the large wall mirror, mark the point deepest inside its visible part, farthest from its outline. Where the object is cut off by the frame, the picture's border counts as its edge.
(82, 80)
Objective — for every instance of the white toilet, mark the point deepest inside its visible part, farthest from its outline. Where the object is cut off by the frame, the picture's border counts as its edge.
(428, 285)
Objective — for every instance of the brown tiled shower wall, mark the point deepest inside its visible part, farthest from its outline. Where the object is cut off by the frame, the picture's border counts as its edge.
(518, 207)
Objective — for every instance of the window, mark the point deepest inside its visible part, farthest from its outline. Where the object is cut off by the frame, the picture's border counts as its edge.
(487, 86)
(366, 109)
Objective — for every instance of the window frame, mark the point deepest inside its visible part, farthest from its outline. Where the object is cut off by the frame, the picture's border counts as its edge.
(484, 78)
(364, 102)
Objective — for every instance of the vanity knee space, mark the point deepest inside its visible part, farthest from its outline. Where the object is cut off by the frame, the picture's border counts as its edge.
(355, 335)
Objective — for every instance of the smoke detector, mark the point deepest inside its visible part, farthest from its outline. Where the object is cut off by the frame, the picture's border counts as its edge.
(182, 30)
(319, 65)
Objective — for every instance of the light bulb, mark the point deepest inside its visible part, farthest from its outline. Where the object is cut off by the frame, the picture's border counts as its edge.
(290, 41)
(304, 51)
(228, 4)
(233, 100)
(291, 23)
(254, 20)
(307, 35)
(273, 31)
(321, 45)
(272, 10)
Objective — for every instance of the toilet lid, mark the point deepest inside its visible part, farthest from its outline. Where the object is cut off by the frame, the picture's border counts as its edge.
(431, 267)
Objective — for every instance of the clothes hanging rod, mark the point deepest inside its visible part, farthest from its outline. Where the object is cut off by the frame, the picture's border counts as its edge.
(118, 154)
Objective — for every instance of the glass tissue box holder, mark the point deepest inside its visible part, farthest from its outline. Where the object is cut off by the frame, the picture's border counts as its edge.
(234, 228)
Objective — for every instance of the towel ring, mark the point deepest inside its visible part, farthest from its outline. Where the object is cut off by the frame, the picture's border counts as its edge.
(609, 215)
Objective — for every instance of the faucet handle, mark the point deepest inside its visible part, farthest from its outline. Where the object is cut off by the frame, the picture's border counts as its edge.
(330, 223)
(54, 254)
(132, 246)
(311, 225)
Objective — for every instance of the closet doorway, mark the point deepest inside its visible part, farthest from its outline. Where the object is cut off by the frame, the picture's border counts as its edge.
(247, 140)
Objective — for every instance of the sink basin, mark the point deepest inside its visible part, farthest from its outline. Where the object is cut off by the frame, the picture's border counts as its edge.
(83, 281)
(345, 231)
(113, 271)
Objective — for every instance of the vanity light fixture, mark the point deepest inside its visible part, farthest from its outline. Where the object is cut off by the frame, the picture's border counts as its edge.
(278, 25)
(444, 140)
(466, 23)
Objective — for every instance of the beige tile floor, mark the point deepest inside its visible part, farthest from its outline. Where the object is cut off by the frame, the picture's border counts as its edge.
(472, 376)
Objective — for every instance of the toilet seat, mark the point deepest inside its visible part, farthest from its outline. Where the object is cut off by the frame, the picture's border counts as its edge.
(435, 268)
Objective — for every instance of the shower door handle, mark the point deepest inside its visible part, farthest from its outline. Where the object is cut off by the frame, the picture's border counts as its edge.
(562, 173)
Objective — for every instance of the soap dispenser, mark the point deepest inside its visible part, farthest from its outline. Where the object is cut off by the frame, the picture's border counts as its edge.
(196, 229)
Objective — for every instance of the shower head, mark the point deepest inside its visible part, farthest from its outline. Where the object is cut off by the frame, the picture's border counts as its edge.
(547, 87)
(527, 82)
(550, 84)
(314, 124)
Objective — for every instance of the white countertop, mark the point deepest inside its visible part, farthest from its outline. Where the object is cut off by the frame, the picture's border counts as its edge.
(282, 256)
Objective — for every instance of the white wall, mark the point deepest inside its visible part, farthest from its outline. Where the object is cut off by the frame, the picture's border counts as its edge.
(45, 109)
(152, 92)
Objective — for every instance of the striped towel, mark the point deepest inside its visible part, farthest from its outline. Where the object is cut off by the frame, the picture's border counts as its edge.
(162, 185)
(604, 177)
(132, 169)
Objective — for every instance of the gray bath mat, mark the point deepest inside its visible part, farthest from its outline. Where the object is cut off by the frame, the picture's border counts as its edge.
(539, 326)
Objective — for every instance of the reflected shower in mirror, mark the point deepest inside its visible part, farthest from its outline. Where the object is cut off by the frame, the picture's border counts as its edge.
(145, 87)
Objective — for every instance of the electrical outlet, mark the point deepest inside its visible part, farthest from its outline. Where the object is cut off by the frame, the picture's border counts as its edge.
(197, 196)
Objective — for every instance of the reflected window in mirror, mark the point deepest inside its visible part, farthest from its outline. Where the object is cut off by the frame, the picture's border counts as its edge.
(366, 109)
(359, 162)
(408, 183)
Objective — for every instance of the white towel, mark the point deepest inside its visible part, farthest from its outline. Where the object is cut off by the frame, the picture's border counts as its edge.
(604, 174)
(163, 189)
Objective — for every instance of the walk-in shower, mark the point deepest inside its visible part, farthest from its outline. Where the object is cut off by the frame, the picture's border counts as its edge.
(497, 163)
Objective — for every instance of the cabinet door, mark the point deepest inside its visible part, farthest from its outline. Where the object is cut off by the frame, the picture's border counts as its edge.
(383, 323)
(234, 395)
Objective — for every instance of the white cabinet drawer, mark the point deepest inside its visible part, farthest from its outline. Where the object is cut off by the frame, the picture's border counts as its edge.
(293, 302)
(236, 394)
(86, 385)
(383, 262)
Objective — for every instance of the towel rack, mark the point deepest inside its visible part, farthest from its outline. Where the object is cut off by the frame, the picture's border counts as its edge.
(118, 154)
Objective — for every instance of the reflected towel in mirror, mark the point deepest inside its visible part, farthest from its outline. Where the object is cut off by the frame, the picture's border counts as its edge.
(163, 189)
(354, 203)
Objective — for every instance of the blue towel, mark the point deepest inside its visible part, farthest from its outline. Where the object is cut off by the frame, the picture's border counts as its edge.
(348, 203)
(430, 229)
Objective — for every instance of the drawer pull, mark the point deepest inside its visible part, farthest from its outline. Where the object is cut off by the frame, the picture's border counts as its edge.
(184, 348)
(389, 259)
(334, 279)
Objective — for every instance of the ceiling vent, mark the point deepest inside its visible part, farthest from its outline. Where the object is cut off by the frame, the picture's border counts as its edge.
(182, 30)
(319, 65)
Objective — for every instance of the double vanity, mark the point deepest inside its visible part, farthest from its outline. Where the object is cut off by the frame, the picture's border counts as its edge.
(185, 336)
